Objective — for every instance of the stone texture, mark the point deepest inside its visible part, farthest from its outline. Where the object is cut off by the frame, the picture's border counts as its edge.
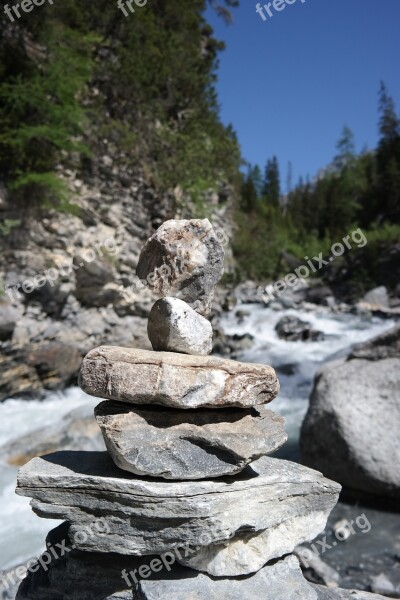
(184, 259)
(282, 580)
(92, 278)
(293, 329)
(324, 593)
(387, 583)
(315, 569)
(176, 380)
(9, 315)
(386, 345)
(351, 431)
(264, 512)
(91, 576)
(377, 297)
(181, 444)
(175, 327)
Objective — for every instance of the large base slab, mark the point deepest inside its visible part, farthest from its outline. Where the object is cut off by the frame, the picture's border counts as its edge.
(263, 512)
(90, 576)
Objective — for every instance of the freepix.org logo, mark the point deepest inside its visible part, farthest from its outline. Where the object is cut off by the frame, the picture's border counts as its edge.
(267, 11)
(14, 12)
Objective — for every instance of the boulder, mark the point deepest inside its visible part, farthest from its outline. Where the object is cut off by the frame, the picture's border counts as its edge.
(386, 345)
(293, 329)
(56, 363)
(17, 379)
(176, 380)
(350, 431)
(91, 279)
(227, 526)
(181, 444)
(377, 297)
(184, 259)
(9, 316)
(175, 327)
(319, 294)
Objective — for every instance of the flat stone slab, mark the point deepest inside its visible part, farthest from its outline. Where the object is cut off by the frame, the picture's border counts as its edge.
(177, 380)
(183, 258)
(282, 580)
(182, 444)
(264, 512)
(174, 326)
(94, 576)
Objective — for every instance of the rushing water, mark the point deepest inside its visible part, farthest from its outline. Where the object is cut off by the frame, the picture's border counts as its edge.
(22, 533)
(297, 362)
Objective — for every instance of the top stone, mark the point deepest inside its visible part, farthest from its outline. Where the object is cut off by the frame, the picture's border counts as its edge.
(184, 259)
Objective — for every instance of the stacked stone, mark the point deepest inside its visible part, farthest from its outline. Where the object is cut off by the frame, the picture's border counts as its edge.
(189, 436)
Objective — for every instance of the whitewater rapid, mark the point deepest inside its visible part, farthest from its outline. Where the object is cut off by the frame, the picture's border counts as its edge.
(22, 533)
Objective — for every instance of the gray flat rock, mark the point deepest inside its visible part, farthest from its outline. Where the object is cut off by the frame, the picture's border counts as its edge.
(174, 326)
(176, 380)
(278, 503)
(93, 576)
(182, 444)
(282, 580)
(185, 259)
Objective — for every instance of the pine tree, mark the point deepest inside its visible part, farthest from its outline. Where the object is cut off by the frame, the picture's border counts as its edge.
(272, 184)
(388, 158)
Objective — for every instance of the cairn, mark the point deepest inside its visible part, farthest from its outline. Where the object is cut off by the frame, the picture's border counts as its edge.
(189, 499)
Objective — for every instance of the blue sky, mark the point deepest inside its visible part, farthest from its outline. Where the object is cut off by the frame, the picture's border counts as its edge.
(288, 85)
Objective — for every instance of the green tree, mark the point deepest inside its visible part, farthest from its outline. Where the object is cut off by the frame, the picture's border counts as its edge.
(388, 158)
(272, 185)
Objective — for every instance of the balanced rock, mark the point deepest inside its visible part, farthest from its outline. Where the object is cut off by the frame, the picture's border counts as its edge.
(174, 326)
(351, 430)
(184, 259)
(177, 380)
(181, 444)
(274, 502)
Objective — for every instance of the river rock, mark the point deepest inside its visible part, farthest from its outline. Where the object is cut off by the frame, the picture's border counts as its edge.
(175, 327)
(176, 380)
(377, 297)
(386, 345)
(293, 329)
(9, 315)
(351, 430)
(184, 259)
(181, 444)
(264, 512)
